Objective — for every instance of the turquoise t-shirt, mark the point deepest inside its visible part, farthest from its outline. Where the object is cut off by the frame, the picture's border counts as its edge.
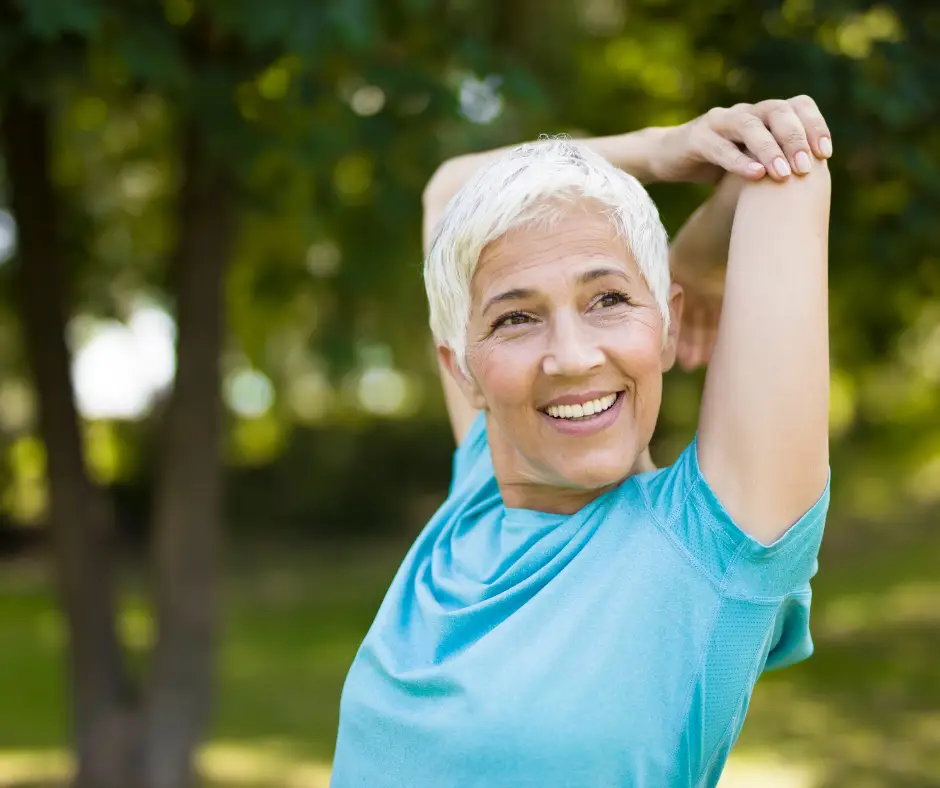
(617, 646)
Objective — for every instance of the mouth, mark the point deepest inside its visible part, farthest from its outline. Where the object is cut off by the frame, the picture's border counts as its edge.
(589, 410)
(585, 418)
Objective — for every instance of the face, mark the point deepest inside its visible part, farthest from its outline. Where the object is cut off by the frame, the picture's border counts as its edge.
(565, 353)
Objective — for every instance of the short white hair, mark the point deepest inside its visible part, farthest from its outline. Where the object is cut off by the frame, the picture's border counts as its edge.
(527, 184)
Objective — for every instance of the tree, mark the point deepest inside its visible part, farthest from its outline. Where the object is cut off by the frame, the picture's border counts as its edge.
(225, 73)
(130, 735)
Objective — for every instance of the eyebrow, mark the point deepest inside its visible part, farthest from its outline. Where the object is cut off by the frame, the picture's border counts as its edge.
(518, 293)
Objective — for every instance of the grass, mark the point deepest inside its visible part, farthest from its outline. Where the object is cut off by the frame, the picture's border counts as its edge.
(865, 711)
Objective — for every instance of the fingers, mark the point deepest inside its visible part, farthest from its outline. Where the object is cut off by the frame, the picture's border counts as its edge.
(697, 336)
(788, 130)
(684, 348)
(781, 136)
(730, 157)
(817, 132)
(689, 348)
(761, 142)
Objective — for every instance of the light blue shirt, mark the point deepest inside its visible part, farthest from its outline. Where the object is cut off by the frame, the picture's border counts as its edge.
(617, 646)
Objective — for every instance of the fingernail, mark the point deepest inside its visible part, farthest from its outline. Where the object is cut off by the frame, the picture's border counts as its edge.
(802, 162)
(755, 167)
(825, 145)
(781, 167)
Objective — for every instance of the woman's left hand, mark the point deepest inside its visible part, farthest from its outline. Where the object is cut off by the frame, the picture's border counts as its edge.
(774, 137)
(699, 328)
(698, 257)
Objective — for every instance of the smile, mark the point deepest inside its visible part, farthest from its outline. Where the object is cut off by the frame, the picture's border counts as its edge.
(585, 418)
(583, 410)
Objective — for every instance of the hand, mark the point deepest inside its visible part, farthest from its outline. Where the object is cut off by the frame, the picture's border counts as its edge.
(702, 276)
(699, 327)
(772, 137)
(698, 257)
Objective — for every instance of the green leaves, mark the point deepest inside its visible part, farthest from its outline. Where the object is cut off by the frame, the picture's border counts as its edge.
(333, 114)
(49, 19)
(151, 50)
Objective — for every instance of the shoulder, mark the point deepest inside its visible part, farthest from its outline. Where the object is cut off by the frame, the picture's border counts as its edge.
(682, 502)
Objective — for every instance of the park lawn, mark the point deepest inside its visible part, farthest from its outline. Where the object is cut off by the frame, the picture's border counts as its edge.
(293, 622)
(865, 711)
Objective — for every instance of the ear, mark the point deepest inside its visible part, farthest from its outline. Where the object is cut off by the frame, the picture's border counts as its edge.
(467, 385)
(676, 302)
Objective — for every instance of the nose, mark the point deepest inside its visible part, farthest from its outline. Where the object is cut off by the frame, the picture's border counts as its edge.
(573, 350)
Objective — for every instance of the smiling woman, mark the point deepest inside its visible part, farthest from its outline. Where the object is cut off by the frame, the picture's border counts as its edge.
(572, 616)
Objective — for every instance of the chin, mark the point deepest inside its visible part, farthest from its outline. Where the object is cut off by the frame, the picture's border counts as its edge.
(594, 474)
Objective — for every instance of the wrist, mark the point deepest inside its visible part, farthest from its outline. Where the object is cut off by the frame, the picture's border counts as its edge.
(634, 152)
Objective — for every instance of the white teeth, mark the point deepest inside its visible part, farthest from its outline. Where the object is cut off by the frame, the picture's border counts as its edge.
(584, 410)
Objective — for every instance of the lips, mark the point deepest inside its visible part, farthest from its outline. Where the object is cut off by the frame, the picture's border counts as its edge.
(585, 408)
(567, 422)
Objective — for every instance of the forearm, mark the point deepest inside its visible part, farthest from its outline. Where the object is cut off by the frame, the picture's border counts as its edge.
(630, 152)
(764, 423)
(699, 251)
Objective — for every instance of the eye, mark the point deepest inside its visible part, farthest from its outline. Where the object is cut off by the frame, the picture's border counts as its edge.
(512, 319)
(612, 298)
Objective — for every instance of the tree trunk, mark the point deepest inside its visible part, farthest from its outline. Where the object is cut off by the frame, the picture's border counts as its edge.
(80, 519)
(187, 516)
(122, 742)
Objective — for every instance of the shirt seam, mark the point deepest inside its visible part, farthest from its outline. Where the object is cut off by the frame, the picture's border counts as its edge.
(781, 545)
(740, 549)
(769, 601)
(723, 598)
(718, 531)
(773, 550)
(674, 539)
(724, 733)
(700, 660)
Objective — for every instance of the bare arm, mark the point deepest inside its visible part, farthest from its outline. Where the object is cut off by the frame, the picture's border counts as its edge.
(631, 152)
(763, 431)
(700, 150)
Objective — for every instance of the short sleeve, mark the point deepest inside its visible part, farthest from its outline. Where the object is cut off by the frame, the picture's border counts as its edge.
(792, 641)
(740, 565)
(472, 449)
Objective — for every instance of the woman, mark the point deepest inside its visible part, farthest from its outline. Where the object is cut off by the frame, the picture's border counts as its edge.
(571, 616)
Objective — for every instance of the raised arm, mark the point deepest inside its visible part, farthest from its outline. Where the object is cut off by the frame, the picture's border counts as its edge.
(773, 138)
(631, 152)
(763, 431)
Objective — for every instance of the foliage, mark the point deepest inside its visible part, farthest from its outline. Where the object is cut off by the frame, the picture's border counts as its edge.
(335, 114)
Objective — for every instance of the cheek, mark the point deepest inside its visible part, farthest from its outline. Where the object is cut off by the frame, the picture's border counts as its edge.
(506, 373)
(639, 348)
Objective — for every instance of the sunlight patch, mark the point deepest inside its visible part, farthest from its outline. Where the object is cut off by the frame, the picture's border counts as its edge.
(747, 771)
(228, 764)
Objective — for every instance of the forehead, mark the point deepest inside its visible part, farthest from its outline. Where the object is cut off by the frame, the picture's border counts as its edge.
(528, 255)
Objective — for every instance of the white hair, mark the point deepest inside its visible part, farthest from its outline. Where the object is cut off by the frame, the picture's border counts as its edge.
(526, 184)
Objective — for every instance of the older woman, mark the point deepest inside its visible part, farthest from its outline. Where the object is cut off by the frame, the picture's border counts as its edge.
(570, 616)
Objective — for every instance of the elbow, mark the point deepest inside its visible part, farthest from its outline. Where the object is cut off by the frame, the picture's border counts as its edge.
(804, 199)
(818, 179)
(817, 183)
(438, 189)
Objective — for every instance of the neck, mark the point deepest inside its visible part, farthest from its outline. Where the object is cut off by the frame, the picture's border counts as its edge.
(545, 498)
(519, 492)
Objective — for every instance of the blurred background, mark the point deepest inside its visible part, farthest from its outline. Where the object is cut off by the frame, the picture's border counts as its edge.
(189, 560)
